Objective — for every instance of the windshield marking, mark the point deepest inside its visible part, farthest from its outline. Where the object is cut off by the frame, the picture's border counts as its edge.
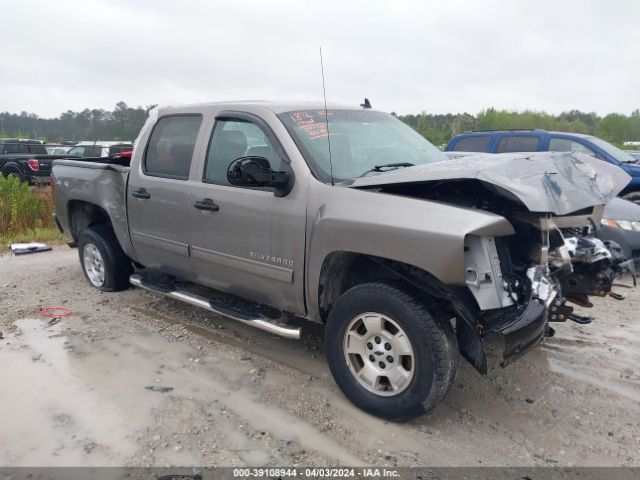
(363, 140)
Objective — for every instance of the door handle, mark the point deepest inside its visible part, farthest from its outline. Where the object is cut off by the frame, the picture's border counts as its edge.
(141, 193)
(206, 204)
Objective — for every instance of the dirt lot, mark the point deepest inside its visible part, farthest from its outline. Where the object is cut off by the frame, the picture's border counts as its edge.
(73, 392)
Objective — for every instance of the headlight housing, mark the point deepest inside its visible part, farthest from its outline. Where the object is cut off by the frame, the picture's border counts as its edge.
(623, 224)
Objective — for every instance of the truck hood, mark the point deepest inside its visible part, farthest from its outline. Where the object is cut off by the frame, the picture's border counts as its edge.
(549, 182)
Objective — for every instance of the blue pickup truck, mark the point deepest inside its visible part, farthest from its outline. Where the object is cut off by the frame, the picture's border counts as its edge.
(502, 141)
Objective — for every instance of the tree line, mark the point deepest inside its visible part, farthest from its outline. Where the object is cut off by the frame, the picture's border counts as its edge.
(614, 127)
(124, 123)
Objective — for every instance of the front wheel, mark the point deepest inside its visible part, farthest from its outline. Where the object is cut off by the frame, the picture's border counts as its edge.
(388, 353)
(103, 261)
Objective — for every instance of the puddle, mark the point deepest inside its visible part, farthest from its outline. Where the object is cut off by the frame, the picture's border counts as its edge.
(81, 404)
(74, 402)
(44, 406)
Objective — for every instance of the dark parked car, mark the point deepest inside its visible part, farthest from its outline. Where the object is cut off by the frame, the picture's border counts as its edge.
(621, 223)
(26, 159)
(502, 141)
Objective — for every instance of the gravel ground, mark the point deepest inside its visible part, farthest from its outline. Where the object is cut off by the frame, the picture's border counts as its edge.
(74, 391)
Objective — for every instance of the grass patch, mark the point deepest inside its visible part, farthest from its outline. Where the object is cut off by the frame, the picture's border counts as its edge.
(26, 213)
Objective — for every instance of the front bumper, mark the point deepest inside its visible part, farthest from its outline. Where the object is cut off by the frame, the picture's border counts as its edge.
(525, 333)
(524, 327)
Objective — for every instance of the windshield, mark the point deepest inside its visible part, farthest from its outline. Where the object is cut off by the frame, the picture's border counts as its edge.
(86, 151)
(360, 141)
(76, 151)
(612, 150)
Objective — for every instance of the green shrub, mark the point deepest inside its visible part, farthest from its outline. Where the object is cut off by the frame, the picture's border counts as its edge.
(23, 208)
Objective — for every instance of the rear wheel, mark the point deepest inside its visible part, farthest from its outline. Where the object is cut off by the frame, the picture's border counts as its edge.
(104, 263)
(388, 353)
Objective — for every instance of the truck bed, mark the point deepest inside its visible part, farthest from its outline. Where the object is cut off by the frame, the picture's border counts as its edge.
(89, 186)
(100, 163)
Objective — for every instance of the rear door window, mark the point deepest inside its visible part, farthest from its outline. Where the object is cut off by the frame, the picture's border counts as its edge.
(515, 143)
(16, 148)
(37, 148)
(11, 148)
(171, 145)
(476, 143)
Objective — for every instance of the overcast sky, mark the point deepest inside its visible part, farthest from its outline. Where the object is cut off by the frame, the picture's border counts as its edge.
(406, 56)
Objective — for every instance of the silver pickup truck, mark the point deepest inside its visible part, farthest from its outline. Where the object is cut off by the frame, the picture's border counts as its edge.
(266, 212)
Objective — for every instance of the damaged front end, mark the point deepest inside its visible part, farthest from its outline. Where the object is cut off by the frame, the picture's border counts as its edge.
(516, 284)
(536, 276)
(517, 307)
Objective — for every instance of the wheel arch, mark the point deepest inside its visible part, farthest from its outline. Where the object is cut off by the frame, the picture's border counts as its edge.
(342, 270)
(83, 215)
(11, 167)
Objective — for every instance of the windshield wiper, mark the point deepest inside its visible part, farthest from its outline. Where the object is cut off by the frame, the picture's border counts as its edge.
(383, 168)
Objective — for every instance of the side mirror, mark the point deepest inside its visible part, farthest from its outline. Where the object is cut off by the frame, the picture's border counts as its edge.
(256, 172)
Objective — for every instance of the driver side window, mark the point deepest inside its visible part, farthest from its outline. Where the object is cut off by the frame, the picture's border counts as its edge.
(232, 139)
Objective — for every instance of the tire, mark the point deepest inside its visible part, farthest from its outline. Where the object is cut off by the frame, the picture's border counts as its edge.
(632, 197)
(104, 263)
(431, 365)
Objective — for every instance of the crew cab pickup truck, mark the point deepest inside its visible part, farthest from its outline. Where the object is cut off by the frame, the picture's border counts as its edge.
(26, 159)
(343, 216)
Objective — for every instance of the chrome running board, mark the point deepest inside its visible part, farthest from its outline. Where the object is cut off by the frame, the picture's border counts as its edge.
(229, 311)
